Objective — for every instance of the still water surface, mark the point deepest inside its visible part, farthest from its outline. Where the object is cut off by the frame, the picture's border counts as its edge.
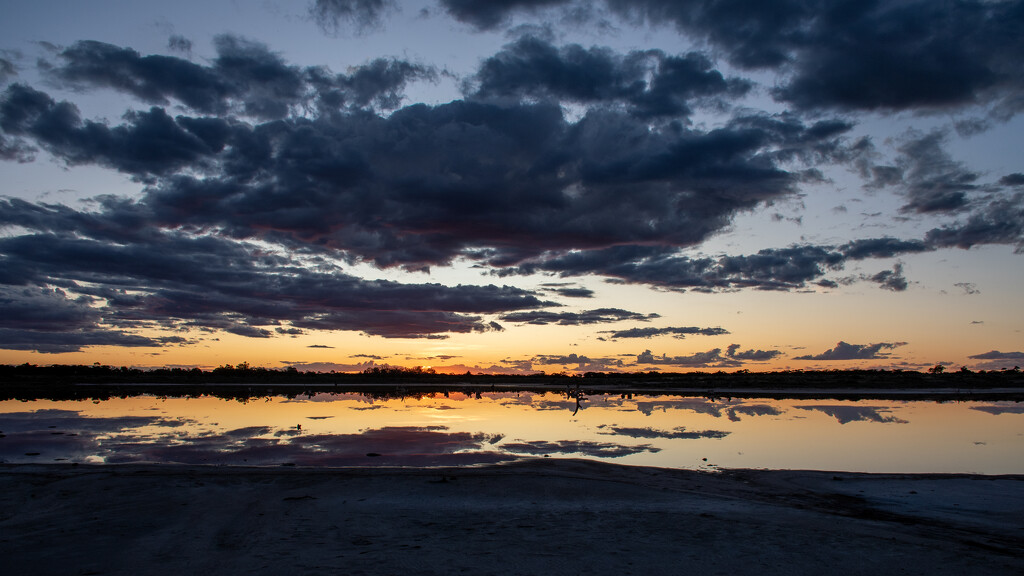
(458, 429)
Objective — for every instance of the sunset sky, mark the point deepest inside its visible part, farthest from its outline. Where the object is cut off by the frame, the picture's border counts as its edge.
(513, 186)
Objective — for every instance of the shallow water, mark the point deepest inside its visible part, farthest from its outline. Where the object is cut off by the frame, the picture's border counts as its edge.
(458, 429)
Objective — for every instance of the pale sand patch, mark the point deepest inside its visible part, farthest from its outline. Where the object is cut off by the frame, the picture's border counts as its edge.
(532, 517)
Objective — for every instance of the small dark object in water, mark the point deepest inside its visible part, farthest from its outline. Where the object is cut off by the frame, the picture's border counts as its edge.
(31, 453)
(288, 464)
(704, 459)
(836, 478)
(372, 454)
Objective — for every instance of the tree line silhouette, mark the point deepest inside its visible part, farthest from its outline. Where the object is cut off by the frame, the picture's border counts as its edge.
(29, 381)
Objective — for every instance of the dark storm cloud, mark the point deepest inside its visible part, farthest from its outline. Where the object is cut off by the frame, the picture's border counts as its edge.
(1015, 179)
(844, 351)
(675, 331)
(7, 69)
(930, 178)
(567, 181)
(839, 55)
(176, 281)
(769, 269)
(650, 82)
(33, 308)
(149, 142)
(882, 248)
(60, 342)
(862, 55)
(380, 82)
(598, 316)
(1000, 221)
(772, 268)
(50, 321)
(16, 150)
(245, 78)
(606, 180)
(336, 15)
(156, 78)
(297, 158)
(489, 14)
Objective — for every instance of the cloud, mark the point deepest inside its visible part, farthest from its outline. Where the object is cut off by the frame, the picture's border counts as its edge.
(930, 178)
(891, 279)
(650, 82)
(568, 291)
(1015, 179)
(246, 78)
(844, 351)
(866, 56)
(565, 178)
(269, 179)
(489, 14)
(51, 321)
(304, 366)
(969, 288)
(768, 269)
(997, 355)
(675, 331)
(7, 70)
(598, 316)
(1000, 221)
(174, 280)
(583, 363)
(178, 43)
(711, 359)
(751, 355)
(334, 16)
(886, 247)
(915, 55)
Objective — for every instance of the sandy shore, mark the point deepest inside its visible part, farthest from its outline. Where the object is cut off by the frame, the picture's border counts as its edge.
(532, 517)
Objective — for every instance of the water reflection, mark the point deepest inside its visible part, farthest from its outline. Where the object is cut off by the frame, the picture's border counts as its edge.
(847, 414)
(460, 429)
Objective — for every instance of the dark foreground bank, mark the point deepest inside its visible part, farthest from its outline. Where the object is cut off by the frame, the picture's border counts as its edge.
(530, 517)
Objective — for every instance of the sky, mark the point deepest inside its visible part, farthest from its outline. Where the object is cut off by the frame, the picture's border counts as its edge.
(513, 186)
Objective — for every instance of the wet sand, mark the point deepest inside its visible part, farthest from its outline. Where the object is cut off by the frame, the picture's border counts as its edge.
(530, 517)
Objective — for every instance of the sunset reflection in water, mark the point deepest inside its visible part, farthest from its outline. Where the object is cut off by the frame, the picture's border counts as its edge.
(459, 429)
